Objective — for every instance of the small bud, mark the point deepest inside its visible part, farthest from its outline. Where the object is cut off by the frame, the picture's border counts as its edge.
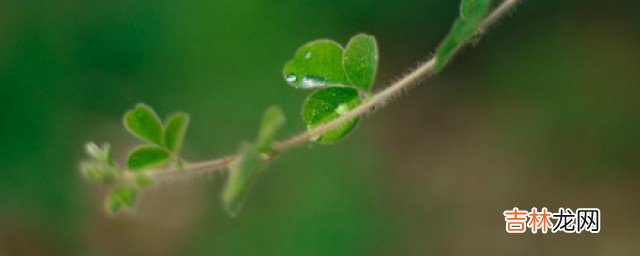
(100, 154)
(119, 198)
(100, 173)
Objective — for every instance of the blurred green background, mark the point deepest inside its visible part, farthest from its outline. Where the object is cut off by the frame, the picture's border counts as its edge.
(544, 112)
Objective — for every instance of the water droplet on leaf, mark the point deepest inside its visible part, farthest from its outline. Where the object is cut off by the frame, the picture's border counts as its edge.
(291, 78)
(342, 109)
(309, 82)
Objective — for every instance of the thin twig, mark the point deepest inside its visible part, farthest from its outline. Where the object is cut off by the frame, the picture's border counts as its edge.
(497, 13)
(376, 101)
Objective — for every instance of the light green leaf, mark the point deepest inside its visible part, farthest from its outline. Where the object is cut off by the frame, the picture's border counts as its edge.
(464, 28)
(147, 157)
(316, 64)
(175, 130)
(121, 197)
(361, 60)
(242, 176)
(143, 180)
(144, 123)
(100, 168)
(327, 104)
(99, 172)
(272, 121)
(101, 154)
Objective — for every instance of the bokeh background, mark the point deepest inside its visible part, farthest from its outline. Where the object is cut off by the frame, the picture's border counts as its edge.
(544, 112)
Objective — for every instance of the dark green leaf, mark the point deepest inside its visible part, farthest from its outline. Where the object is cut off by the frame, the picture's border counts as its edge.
(242, 176)
(361, 60)
(119, 198)
(316, 64)
(464, 28)
(147, 157)
(143, 123)
(327, 104)
(175, 130)
(272, 121)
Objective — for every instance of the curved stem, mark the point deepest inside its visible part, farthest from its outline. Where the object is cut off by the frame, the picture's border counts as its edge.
(376, 101)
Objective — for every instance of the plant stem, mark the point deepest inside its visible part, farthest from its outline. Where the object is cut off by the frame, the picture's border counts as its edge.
(376, 101)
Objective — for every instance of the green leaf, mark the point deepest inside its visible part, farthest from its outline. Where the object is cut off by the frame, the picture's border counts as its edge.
(100, 168)
(147, 157)
(99, 172)
(316, 64)
(464, 28)
(175, 130)
(474, 10)
(101, 154)
(242, 176)
(272, 121)
(327, 104)
(120, 197)
(143, 123)
(143, 180)
(361, 60)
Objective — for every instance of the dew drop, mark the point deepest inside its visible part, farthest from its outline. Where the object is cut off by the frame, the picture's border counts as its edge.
(309, 82)
(291, 78)
(342, 109)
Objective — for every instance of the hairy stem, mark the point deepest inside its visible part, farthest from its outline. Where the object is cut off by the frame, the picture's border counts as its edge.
(378, 100)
